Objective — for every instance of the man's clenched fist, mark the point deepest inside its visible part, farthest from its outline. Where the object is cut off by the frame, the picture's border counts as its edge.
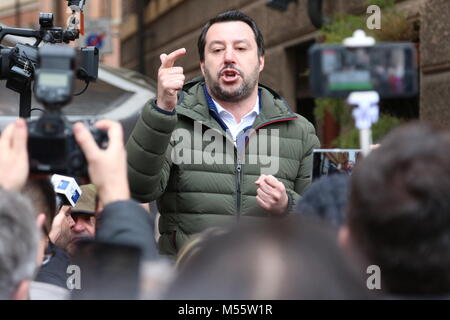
(271, 194)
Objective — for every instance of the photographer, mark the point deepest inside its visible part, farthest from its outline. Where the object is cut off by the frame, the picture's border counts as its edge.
(50, 144)
(122, 221)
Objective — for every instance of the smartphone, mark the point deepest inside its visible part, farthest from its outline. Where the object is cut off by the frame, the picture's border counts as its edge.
(334, 161)
(108, 271)
(388, 68)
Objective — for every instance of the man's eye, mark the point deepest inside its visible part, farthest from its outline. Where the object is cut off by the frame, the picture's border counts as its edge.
(217, 50)
(242, 48)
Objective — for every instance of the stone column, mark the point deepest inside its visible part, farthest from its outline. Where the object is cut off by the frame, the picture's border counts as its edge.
(435, 62)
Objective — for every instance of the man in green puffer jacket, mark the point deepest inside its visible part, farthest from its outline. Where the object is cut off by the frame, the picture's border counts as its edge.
(219, 149)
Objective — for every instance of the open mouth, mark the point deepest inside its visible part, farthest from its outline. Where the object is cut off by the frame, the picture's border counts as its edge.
(229, 75)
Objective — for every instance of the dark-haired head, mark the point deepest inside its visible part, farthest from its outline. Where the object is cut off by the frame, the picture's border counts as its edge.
(398, 212)
(230, 16)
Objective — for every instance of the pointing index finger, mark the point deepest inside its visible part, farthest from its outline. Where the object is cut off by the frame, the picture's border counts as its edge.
(169, 60)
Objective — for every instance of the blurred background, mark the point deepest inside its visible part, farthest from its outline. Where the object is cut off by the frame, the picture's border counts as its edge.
(131, 34)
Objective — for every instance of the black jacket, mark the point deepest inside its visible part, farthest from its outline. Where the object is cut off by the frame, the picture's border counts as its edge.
(55, 270)
(126, 222)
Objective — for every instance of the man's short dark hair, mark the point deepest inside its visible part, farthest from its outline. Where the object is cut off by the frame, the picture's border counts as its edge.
(326, 199)
(227, 17)
(399, 210)
(288, 258)
(42, 195)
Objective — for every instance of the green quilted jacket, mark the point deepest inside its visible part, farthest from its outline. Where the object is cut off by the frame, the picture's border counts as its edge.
(186, 161)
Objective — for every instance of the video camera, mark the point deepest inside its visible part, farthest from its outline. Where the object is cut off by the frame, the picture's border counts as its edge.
(51, 144)
(19, 63)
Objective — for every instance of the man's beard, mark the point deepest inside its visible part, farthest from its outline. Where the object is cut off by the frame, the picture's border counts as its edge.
(72, 246)
(242, 92)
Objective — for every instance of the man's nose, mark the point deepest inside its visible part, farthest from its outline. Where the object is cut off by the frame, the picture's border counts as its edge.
(78, 226)
(229, 55)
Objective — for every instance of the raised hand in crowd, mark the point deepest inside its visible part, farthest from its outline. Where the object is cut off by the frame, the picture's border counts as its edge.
(107, 168)
(14, 166)
(60, 230)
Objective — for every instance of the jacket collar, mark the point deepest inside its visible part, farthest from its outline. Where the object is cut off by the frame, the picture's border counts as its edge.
(194, 104)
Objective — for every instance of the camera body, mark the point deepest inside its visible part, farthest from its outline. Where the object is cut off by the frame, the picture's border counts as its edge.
(17, 66)
(52, 147)
(51, 144)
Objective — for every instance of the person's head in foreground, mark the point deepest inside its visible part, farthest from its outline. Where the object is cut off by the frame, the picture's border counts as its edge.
(399, 211)
(285, 259)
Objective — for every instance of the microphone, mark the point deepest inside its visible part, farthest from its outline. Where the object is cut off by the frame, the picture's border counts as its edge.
(67, 190)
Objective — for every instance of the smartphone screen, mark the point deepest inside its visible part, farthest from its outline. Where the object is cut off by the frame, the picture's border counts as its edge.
(107, 271)
(334, 161)
(388, 68)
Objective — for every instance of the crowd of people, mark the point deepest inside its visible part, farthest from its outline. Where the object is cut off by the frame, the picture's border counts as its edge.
(227, 229)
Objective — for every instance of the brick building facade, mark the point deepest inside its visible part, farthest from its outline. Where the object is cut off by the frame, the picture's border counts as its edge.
(171, 24)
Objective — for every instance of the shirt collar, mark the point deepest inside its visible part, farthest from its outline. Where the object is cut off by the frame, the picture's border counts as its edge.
(221, 111)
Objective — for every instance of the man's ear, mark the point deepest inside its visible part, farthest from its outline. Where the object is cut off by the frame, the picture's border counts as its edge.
(261, 63)
(40, 220)
(344, 238)
(202, 67)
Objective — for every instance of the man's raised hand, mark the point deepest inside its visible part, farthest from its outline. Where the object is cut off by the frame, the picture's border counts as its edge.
(14, 167)
(107, 167)
(170, 80)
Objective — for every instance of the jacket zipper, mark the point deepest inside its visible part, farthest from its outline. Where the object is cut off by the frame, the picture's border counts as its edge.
(238, 187)
(239, 166)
